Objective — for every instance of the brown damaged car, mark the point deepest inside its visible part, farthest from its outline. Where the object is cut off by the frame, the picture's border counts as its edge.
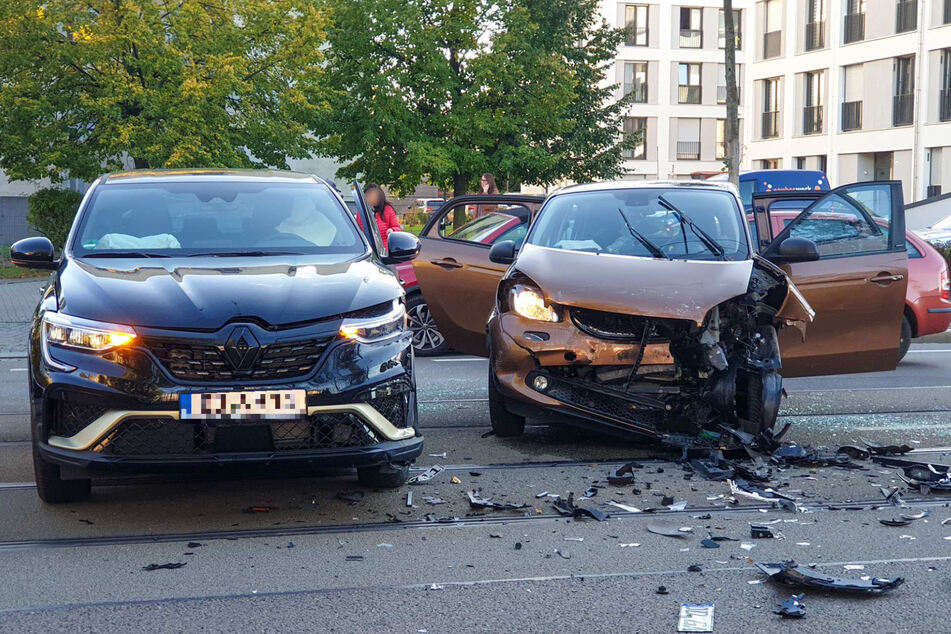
(641, 307)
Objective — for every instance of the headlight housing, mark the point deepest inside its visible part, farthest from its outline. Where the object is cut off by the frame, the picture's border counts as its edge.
(84, 334)
(366, 330)
(529, 302)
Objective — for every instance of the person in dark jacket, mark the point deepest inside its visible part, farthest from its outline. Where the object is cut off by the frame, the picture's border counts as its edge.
(383, 213)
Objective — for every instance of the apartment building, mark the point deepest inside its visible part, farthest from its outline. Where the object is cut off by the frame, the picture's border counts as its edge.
(858, 88)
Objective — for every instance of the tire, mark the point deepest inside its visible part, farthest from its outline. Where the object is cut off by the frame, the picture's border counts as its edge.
(763, 396)
(904, 341)
(52, 488)
(504, 423)
(427, 340)
(387, 476)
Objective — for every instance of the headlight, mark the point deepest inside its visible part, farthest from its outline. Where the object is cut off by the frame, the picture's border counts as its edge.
(528, 302)
(375, 328)
(84, 334)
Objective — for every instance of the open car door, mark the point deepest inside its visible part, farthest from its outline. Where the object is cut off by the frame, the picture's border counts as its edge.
(857, 284)
(455, 274)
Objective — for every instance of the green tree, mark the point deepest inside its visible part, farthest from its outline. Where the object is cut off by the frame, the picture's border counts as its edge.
(167, 83)
(51, 211)
(447, 89)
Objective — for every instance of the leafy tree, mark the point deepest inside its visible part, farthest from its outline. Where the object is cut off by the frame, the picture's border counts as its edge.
(168, 83)
(51, 211)
(447, 89)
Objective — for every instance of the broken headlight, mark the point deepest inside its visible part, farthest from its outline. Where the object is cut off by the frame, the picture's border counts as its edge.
(528, 302)
(84, 334)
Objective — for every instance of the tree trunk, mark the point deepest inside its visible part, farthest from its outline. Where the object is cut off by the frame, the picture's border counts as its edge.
(732, 96)
(459, 185)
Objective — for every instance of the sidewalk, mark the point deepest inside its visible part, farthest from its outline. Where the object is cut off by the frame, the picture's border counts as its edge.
(18, 299)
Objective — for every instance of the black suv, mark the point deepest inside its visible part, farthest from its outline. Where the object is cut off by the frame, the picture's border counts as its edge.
(205, 318)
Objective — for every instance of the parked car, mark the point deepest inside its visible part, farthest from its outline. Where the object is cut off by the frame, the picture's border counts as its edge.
(642, 307)
(429, 205)
(203, 318)
(927, 302)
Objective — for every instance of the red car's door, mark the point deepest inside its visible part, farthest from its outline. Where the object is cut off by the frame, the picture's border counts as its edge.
(856, 287)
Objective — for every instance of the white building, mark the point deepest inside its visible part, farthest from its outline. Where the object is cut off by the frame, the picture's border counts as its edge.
(858, 88)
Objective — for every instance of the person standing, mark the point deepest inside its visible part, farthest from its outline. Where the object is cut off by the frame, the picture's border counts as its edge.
(487, 187)
(383, 213)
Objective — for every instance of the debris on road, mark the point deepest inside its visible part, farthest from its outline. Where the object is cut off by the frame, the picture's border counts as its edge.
(743, 489)
(429, 499)
(567, 507)
(761, 531)
(624, 507)
(694, 568)
(438, 455)
(426, 475)
(169, 566)
(455, 480)
(790, 573)
(695, 618)
(709, 543)
(352, 496)
(895, 521)
(409, 499)
(886, 450)
(662, 590)
(792, 608)
(624, 475)
(476, 501)
(259, 509)
(669, 529)
(354, 557)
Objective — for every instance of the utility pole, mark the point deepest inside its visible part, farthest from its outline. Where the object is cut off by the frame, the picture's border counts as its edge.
(732, 96)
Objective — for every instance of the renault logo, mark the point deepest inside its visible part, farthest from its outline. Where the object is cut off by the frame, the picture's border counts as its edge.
(242, 348)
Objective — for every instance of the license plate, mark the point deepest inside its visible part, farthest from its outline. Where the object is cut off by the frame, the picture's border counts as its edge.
(243, 405)
(695, 618)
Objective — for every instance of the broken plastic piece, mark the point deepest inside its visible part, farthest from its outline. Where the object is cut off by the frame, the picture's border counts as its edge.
(259, 509)
(426, 475)
(476, 501)
(895, 521)
(169, 566)
(567, 507)
(694, 568)
(624, 474)
(662, 590)
(761, 531)
(854, 452)
(668, 529)
(792, 608)
(886, 450)
(709, 543)
(790, 573)
(625, 507)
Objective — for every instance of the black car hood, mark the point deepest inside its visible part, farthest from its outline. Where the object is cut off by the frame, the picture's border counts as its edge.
(206, 293)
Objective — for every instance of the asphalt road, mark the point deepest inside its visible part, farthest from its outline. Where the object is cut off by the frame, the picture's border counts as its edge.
(318, 563)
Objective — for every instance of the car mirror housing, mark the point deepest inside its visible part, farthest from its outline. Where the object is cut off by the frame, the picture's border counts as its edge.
(796, 250)
(503, 252)
(402, 247)
(34, 253)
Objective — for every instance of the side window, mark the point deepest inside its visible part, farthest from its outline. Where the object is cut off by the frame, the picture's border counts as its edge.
(913, 252)
(855, 221)
(483, 224)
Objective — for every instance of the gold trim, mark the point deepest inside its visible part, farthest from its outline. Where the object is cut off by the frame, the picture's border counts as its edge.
(94, 431)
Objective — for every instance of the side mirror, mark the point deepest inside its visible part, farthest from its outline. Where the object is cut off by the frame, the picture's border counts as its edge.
(797, 250)
(503, 252)
(33, 253)
(401, 247)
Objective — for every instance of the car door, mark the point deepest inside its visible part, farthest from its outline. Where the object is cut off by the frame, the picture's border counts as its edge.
(366, 220)
(856, 287)
(453, 269)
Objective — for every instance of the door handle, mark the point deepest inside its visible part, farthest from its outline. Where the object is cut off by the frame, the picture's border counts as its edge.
(885, 278)
(447, 263)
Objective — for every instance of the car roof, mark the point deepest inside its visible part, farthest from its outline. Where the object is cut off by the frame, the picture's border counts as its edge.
(208, 174)
(646, 184)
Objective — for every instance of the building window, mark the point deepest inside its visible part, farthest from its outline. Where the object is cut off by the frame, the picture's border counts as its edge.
(721, 83)
(771, 164)
(934, 176)
(854, 24)
(688, 139)
(773, 28)
(800, 162)
(906, 15)
(815, 24)
(691, 28)
(903, 108)
(853, 80)
(737, 29)
(822, 163)
(812, 103)
(721, 139)
(770, 108)
(944, 107)
(635, 80)
(946, 16)
(635, 128)
(635, 25)
(689, 83)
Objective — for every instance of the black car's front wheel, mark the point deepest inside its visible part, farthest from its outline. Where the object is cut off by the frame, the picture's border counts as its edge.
(427, 340)
(50, 485)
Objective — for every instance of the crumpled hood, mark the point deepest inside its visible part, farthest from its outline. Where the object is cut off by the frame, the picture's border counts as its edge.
(205, 293)
(671, 289)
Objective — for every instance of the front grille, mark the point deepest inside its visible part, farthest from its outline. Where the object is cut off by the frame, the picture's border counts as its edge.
(619, 326)
(203, 362)
(168, 437)
(68, 419)
(600, 403)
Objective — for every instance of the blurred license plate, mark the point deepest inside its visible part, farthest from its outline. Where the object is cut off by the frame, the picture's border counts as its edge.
(244, 405)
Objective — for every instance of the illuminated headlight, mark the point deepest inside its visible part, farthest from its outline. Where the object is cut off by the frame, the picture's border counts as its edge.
(84, 334)
(375, 328)
(528, 302)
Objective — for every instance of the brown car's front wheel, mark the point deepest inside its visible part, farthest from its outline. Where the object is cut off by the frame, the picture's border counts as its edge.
(762, 398)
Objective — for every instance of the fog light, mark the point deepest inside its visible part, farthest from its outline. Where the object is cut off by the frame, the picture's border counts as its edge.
(540, 383)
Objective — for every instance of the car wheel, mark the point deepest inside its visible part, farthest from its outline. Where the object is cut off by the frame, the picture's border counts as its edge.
(387, 476)
(52, 488)
(504, 422)
(427, 340)
(905, 341)
(763, 396)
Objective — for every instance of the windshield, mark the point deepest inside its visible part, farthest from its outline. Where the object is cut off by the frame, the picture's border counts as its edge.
(216, 217)
(601, 222)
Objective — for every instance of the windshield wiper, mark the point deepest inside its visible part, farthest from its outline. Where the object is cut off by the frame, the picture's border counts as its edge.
(125, 254)
(710, 243)
(650, 246)
(235, 254)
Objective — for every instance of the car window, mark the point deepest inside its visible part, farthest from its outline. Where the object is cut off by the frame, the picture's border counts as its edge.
(913, 252)
(186, 217)
(855, 221)
(746, 192)
(602, 222)
(482, 224)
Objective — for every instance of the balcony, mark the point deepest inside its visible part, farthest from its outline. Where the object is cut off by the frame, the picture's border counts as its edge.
(812, 120)
(815, 35)
(903, 110)
(944, 104)
(906, 15)
(688, 150)
(851, 115)
(689, 94)
(770, 124)
(639, 91)
(772, 43)
(854, 28)
(691, 38)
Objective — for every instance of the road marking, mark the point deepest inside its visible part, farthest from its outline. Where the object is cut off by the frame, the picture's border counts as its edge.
(17, 369)
(904, 427)
(452, 359)
(869, 389)
(928, 351)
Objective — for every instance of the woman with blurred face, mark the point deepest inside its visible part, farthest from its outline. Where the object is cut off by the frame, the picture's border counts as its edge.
(383, 213)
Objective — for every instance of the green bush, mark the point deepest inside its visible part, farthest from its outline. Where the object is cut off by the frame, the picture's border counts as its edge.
(415, 218)
(51, 212)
